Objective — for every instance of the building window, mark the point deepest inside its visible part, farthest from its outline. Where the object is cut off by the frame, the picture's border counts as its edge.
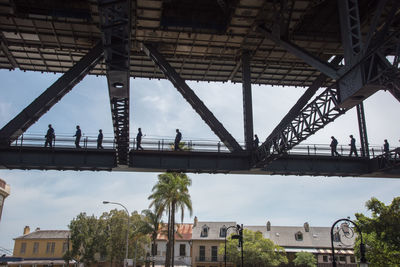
(50, 247)
(352, 259)
(35, 248)
(182, 250)
(204, 231)
(299, 236)
(214, 253)
(65, 247)
(23, 248)
(222, 231)
(202, 253)
(325, 258)
(154, 249)
(342, 258)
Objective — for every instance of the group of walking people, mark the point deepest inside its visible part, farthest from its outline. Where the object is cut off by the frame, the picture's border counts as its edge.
(353, 148)
(50, 137)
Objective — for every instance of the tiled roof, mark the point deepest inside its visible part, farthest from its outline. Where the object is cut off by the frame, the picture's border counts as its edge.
(317, 237)
(46, 234)
(184, 232)
(213, 230)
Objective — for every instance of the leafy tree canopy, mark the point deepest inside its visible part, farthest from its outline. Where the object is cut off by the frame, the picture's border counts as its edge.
(257, 251)
(381, 232)
(305, 259)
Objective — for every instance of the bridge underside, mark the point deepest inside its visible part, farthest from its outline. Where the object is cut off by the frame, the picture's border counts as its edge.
(27, 158)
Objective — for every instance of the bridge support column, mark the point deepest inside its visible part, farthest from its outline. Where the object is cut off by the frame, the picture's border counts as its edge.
(247, 101)
(363, 130)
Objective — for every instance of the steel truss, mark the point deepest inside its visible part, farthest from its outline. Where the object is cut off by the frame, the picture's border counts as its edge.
(115, 20)
(192, 98)
(321, 111)
(18, 125)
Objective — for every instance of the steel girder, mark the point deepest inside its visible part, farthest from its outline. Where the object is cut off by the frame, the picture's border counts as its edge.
(247, 101)
(321, 111)
(362, 127)
(51, 96)
(192, 98)
(115, 22)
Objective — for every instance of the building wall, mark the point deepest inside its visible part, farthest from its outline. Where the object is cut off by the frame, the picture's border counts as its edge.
(162, 250)
(42, 248)
(207, 262)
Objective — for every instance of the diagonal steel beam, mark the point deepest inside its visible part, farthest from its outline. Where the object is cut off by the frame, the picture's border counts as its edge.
(115, 22)
(308, 58)
(316, 115)
(192, 98)
(303, 100)
(51, 96)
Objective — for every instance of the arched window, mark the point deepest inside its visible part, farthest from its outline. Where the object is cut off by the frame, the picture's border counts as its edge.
(222, 231)
(298, 236)
(204, 231)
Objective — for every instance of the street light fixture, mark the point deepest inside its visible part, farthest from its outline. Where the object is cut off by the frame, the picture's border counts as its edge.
(238, 236)
(363, 260)
(127, 229)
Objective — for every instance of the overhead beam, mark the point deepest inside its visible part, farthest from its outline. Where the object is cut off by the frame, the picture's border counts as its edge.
(51, 96)
(247, 101)
(115, 24)
(192, 98)
(308, 58)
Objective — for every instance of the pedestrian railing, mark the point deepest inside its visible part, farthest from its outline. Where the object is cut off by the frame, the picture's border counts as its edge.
(167, 144)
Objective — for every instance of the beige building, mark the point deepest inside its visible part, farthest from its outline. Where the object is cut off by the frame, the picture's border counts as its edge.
(207, 238)
(4, 192)
(41, 248)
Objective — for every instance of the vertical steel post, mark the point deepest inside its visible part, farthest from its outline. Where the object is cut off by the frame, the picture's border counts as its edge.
(363, 130)
(247, 101)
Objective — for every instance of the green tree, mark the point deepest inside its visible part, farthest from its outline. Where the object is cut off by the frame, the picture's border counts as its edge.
(152, 225)
(171, 194)
(257, 251)
(87, 238)
(381, 233)
(305, 259)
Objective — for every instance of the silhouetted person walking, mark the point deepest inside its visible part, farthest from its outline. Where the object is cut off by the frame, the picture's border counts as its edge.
(386, 148)
(49, 137)
(139, 139)
(178, 139)
(334, 144)
(100, 140)
(77, 136)
(256, 142)
(352, 145)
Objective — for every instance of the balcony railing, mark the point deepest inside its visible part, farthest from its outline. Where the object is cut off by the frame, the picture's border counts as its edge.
(218, 258)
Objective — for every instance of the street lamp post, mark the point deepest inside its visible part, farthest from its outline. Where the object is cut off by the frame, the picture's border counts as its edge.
(237, 236)
(127, 230)
(363, 261)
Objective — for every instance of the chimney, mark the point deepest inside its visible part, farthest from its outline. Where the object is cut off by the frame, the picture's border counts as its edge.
(268, 226)
(37, 229)
(306, 227)
(195, 221)
(27, 230)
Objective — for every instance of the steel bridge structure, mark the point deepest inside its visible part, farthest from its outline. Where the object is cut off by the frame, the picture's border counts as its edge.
(350, 48)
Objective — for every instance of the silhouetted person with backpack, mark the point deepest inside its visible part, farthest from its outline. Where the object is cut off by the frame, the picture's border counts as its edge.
(352, 145)
(49, 137)
(178, 139)
(77, 136)
(334, 144)
(100, 140)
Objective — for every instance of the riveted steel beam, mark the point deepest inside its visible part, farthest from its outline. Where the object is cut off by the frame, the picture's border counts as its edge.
(308, 58)
(115, 24)
(51, 96)
(247, 101)
(192, 98)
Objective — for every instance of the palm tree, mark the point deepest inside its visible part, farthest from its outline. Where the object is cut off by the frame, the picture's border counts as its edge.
(171, 194)
(153, 222)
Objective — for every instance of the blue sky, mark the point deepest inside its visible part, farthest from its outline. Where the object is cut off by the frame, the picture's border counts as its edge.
(50, 199)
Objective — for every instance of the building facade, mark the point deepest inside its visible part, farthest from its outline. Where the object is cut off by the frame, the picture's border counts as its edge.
(41, 248)
(4, 192)
(207, 238)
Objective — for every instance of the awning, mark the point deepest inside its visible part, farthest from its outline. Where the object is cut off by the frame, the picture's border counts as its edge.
(337, 251)
(40, 262)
